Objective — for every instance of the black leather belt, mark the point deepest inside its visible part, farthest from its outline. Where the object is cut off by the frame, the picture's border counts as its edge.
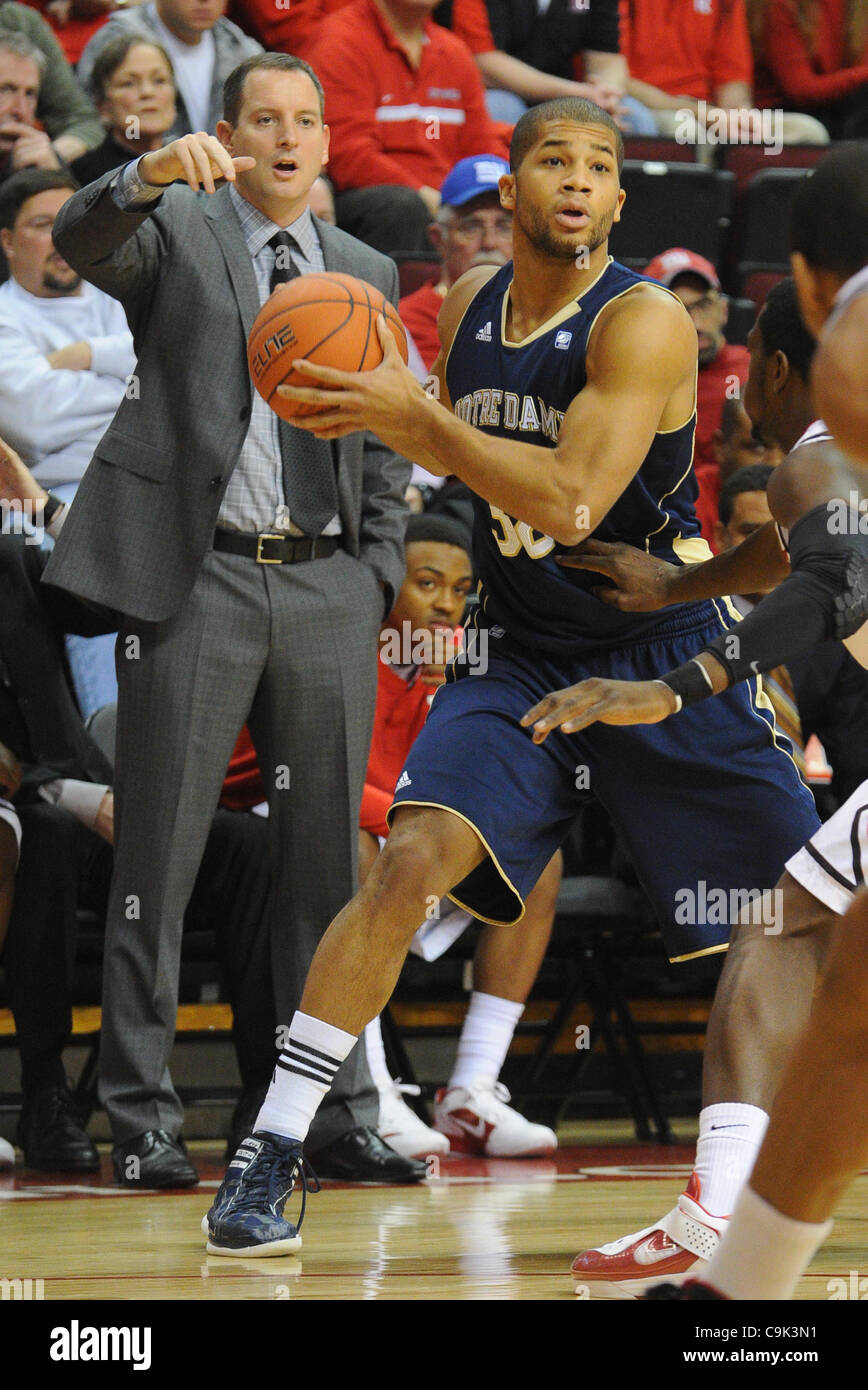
(272, 548)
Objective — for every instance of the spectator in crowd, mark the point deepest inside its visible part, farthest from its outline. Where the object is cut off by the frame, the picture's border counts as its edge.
(134, 91)
(66, 361)
(322, 200)
(541, 52)
(203, 47)
(61, 108)
(405, 102)
(74, 22)
(691, 64)
(66, 809)
(735, 444)
(470, 228)
(816, 55)
(722, 366)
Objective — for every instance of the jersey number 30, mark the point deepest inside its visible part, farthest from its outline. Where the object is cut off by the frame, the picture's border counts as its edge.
(517, 535)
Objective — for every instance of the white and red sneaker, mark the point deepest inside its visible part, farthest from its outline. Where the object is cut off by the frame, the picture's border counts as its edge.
(478, 1120)
(676, 1249)
(401, 1128)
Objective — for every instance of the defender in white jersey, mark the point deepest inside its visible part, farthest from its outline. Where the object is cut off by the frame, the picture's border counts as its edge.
(764, 996)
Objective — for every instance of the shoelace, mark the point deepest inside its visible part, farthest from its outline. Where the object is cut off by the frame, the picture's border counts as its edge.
(405, 1088)
(283, 1173)
(484, 1090)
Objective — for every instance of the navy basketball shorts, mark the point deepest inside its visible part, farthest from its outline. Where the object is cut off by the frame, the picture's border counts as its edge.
(709, 803)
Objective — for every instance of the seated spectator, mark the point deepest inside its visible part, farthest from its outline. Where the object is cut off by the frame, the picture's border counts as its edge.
(203, 46)
(816, 55)
(692, 66)
(540, 52)
(66, 809)
(471, 228)
(66, 357)
(471, 1113)
(404, 102)
(134, 91)
(322, 200)
(22, 144)
(735, 446)
(722, 366)
(74, 22)
(63, 112)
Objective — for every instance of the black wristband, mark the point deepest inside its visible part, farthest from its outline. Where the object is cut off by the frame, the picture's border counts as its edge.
(689, 683)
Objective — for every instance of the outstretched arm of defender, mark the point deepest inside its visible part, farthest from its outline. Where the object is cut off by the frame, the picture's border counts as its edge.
(643, 351)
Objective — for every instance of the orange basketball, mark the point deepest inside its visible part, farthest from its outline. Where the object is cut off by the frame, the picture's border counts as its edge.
(326, 318)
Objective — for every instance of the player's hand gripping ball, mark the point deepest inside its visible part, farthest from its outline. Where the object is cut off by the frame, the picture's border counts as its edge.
(326, 318)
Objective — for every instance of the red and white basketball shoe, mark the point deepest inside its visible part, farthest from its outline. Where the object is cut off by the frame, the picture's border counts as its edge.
(478, 1120)
(675, 1249)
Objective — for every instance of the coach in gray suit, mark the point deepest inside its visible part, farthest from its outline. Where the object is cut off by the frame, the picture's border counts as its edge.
(251, 566)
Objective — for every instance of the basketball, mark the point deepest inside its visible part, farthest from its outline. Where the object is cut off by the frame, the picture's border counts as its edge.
(327, 318)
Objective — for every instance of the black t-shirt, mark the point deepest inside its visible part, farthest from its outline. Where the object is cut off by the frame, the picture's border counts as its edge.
(548, 37)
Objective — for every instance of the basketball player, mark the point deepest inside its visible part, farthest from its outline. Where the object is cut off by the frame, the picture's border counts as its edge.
(765, 993)
(572, 390)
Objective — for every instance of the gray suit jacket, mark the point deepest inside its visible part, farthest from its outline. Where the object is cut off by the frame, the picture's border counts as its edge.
(231, 47)
(146, 509)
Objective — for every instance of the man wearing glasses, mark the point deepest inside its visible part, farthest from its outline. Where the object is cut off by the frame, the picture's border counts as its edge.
(471, 229)
(722, 366)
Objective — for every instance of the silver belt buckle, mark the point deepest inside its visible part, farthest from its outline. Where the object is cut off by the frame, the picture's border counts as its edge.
(267, 536)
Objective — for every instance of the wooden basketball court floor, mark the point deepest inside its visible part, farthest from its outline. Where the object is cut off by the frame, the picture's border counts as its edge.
(475, 1230)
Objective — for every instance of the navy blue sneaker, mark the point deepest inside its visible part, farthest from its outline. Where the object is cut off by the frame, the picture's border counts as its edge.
(247, 1215)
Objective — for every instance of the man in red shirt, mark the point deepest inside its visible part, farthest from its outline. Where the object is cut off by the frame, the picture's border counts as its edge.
(471, 228)
(722, 366)
(404, 102)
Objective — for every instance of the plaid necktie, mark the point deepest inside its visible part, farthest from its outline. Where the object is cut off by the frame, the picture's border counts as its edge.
(309, 485)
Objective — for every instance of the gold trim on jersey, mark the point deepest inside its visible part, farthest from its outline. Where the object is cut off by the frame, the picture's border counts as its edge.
(559, 316)
(692, 550)
(492, 921)
(707, 951)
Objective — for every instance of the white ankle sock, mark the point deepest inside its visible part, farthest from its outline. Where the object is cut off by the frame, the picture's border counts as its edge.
(377, 1056)
(485, 1038)
(303, 1075)
(764, 1253)
(729, 1140)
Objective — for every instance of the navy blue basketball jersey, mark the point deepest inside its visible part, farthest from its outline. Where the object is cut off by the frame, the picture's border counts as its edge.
(522, 391)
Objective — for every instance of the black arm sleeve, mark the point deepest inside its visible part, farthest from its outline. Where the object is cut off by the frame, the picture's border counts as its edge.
(825, 596)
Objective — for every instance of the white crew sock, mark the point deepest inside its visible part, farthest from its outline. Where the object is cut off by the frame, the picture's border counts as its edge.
(730, 1136)
(377, 1056)
(485, 1038)
(305, 1070)
(763, 1253)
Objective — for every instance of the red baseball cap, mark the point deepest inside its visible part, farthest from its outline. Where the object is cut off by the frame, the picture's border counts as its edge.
(670, 264)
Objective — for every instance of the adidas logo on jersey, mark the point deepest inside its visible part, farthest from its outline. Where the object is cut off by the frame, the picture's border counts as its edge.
(403, 781)
(484, 334)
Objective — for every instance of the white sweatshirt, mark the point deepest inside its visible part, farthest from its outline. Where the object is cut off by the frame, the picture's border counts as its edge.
(54, 417)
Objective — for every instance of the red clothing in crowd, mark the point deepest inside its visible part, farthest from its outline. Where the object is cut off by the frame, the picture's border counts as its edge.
(809, 78)
(402, 708)
(687, 47)
(730, 364)
(419, 312)
(74, 34)
(292, 26)
(392, 123)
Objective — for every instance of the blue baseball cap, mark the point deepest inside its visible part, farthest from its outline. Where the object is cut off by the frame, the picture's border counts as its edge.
(471, 177)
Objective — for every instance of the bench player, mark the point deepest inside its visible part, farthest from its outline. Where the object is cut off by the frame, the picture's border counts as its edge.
(571, 382)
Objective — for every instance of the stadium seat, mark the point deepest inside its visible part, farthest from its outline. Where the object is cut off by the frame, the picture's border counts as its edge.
(742, 314)
(764, 234)
(672, 205)
(755, 281)
(413, 273)
(744, 161)
(655, 147)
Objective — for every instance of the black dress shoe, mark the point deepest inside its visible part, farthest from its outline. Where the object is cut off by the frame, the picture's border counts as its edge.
(153, 1159)
(244, 1117)
(51, 1134)
(361, 1155)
